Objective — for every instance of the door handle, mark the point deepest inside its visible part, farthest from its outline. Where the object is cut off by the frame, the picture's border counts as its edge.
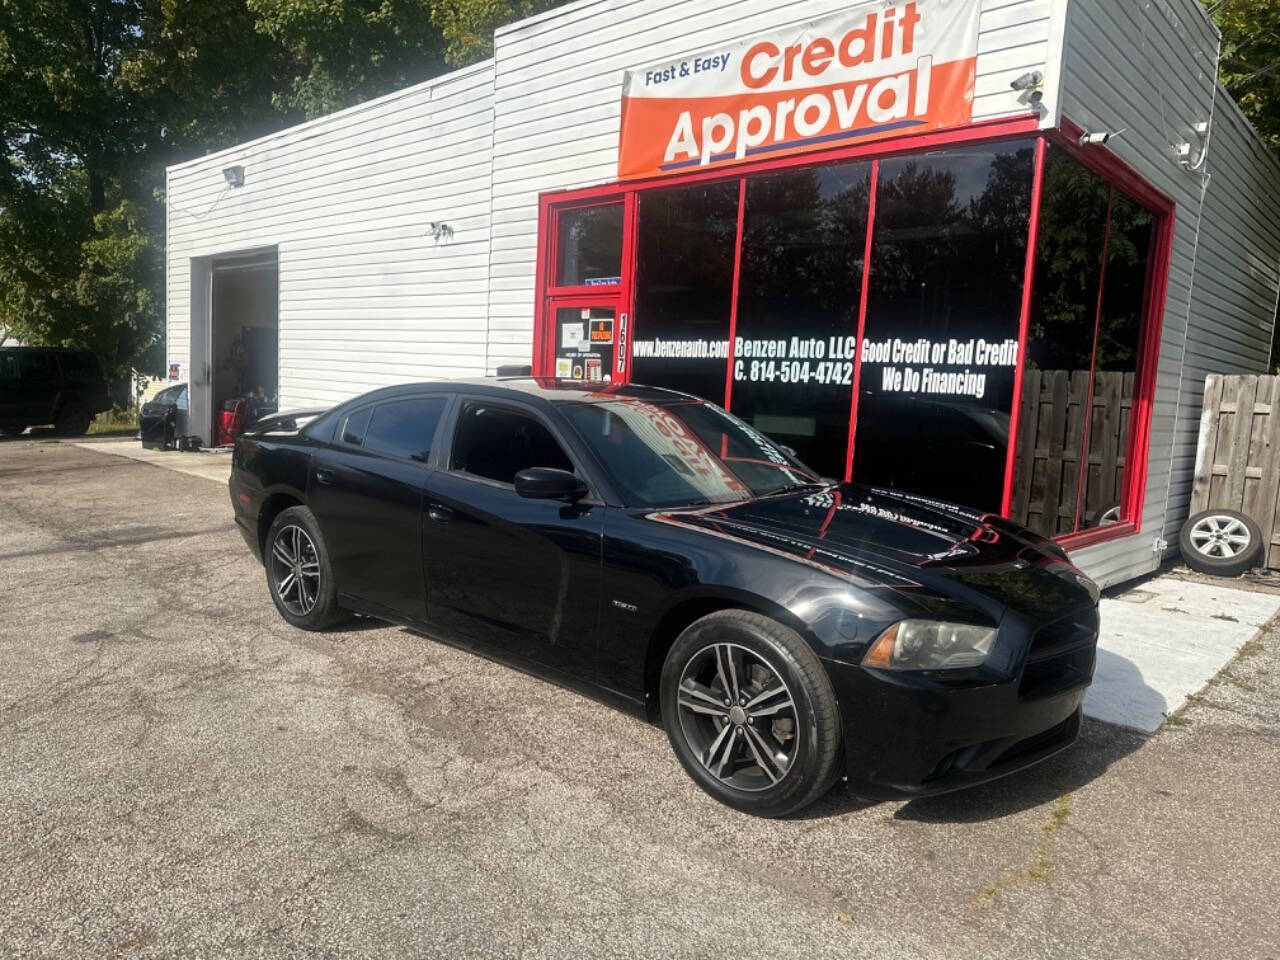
(439, 513)
(324, 476)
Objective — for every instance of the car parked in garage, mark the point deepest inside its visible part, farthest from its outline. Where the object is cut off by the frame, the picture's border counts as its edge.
(164, 418)
(42, 386)
(646, 546)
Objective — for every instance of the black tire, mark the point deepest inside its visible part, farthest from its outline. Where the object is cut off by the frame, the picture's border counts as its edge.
(1224, 543)
(12, 430)
(699, 720)
(322, 610)
(72, 420)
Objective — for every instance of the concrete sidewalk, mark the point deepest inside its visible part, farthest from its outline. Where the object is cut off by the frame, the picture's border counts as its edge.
(1163, 640)
(213, 464)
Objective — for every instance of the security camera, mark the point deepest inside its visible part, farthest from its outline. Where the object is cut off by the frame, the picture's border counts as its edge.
(1096, 139)
(1028, 81)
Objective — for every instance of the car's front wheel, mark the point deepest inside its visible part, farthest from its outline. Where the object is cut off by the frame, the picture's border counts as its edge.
(751, 713)
(299, 574)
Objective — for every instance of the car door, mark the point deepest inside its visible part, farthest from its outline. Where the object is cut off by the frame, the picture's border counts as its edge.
(366, 489)
(10, 388)
(519, 575)
(39, 388)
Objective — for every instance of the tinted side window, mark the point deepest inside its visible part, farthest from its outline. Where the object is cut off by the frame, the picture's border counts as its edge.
(79, 365)
(39, 366)
(404, 428)
(353, 429)
(498, 442)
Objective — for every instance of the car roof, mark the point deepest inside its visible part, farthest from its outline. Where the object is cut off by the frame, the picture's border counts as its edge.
(544, 389)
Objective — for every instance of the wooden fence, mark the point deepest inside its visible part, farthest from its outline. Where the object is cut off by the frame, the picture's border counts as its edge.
(1238, 456)
(1050, 439)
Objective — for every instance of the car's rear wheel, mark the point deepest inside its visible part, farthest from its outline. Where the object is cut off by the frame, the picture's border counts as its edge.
(299, 574)
(751, 713)
(73, 419)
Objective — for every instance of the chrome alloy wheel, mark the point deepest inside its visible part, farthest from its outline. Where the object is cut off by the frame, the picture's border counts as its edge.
(295, 570)
(1220, 536)
(738, 716)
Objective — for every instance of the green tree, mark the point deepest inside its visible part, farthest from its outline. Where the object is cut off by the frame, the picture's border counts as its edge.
(468, 25)
(342, 52)
(1250, 68)
(98, 96)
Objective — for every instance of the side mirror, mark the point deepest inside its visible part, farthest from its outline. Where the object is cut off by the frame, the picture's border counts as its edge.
(548, 483)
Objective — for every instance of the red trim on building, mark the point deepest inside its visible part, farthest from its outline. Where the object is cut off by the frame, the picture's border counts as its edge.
(1024, 319)
(1097, 158)
(862, 318)
(1004, 129)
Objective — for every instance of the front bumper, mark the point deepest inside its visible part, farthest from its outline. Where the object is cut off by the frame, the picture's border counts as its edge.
(910, 734)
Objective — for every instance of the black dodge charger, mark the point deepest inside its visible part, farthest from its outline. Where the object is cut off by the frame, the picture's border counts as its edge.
(649, 548)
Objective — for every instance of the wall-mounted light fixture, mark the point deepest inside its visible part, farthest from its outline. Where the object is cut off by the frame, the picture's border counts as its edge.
(234, 176)
(1031, 86)
(1098, 138)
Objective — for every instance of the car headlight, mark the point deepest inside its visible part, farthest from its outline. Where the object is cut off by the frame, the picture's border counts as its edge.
(930, 645)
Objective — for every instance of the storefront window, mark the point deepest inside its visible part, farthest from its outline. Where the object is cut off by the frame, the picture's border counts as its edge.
(944, 304)
(800, 284)
(684, 287)
(775, 260)
(1119, 343)
(589, 246)
(1055, 384)
(1082, 351)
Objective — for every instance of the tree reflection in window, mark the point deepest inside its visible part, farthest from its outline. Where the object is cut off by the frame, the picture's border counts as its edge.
(948, 258)
(803, 242)
(1082, 351)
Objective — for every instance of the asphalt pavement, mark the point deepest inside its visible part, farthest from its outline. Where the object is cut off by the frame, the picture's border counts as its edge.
(184, 775)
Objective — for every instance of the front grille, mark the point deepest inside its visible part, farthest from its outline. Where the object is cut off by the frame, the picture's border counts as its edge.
(1061, 656)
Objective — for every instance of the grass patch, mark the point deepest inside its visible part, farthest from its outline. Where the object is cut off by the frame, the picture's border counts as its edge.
(114, 421)
(1042, 864)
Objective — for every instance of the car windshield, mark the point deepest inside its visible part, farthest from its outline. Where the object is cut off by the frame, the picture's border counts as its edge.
(685, 453)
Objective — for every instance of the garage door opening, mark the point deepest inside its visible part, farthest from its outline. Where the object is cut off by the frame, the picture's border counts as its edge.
(244, 343)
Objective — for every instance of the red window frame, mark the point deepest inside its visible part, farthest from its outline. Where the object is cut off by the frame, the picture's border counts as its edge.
(1099, 159)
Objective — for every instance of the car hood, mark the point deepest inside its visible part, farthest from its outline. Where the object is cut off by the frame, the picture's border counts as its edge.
(909, 543)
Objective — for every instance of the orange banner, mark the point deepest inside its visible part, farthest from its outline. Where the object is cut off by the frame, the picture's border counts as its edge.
(858, 76)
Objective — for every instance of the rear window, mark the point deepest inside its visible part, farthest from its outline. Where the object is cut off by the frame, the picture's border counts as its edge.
(354, 426)
(79, 364)
(39, 366)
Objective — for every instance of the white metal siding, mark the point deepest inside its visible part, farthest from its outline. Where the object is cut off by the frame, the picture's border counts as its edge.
(1149, 69)
(557, 105)
(366, 297)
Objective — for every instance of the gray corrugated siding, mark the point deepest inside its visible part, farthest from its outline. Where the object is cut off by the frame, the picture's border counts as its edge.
(1222, 285)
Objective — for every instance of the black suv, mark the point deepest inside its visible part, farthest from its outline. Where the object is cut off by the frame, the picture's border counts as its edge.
(48, 385)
